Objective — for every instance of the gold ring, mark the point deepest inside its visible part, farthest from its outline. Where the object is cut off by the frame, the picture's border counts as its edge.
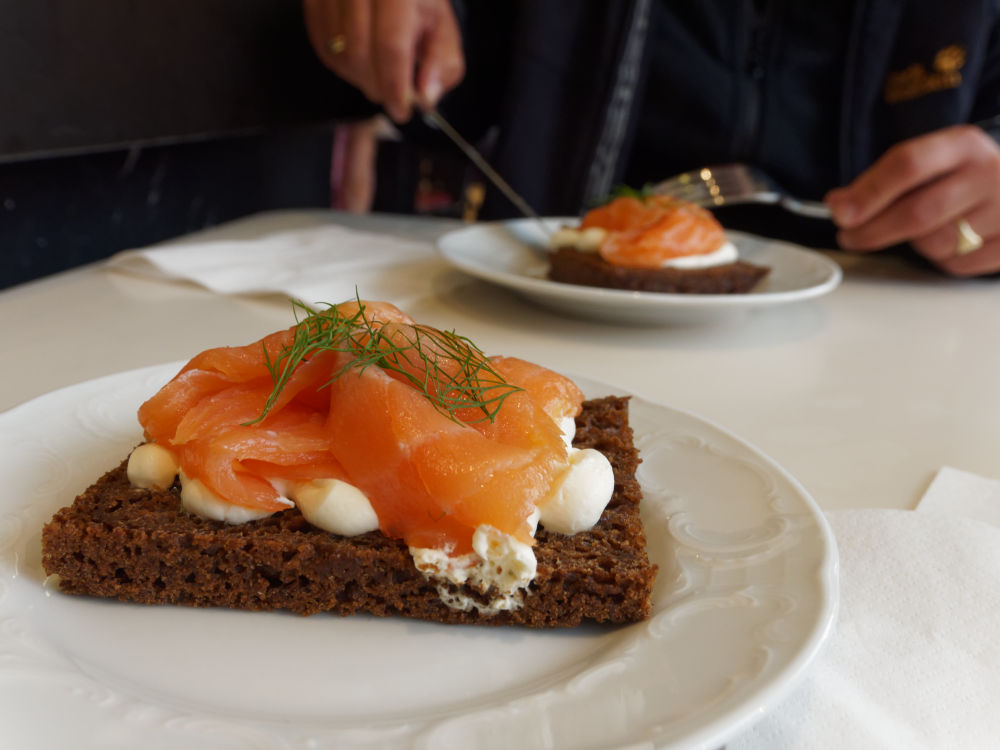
(337, 44)
(968, 240)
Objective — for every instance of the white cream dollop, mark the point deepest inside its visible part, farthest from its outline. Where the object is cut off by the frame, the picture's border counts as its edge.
(498, 562)
(581, 497)
(725, 254)
(335, 506)
(585, 240)
(567, 426)
(152, 466)
(201, 501)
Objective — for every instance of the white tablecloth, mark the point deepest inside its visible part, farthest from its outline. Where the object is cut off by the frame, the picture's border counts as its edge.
(861, 396)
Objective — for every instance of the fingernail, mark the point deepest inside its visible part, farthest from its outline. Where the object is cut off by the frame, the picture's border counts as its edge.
(844, 211)
(431, 92)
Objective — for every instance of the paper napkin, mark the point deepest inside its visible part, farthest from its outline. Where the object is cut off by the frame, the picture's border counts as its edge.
(914, 660)
(962, 493)
(320, 264)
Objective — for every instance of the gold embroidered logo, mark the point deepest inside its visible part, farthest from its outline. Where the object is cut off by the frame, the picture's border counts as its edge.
(915, 80)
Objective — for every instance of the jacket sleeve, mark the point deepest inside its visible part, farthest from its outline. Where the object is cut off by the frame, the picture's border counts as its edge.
(986, 109)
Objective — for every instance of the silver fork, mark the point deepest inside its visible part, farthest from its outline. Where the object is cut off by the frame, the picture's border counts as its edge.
(735, 183)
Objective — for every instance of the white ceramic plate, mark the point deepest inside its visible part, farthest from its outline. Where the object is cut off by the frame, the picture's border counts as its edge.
(512, 254)
(746, 594)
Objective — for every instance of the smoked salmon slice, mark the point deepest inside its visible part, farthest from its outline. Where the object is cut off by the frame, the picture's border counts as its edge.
(558, 396)
(645, 232)
(440, 438)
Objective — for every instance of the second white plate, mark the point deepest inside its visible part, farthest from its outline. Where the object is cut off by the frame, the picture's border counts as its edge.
(512, 254)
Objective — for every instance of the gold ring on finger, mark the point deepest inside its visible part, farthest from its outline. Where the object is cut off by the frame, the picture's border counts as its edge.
(968, 239)
(337, 44)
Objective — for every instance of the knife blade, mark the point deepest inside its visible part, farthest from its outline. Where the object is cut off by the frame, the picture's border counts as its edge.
(436, 120)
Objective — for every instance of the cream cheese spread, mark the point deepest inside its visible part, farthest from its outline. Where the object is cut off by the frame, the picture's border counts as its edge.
(585, 240)
(151, 465)
(582, 496)
(335, 506)
(198, 499)
(567, 426)
(725, 254)
(499, 565)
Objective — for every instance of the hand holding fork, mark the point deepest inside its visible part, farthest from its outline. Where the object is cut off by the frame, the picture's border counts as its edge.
(939, 192)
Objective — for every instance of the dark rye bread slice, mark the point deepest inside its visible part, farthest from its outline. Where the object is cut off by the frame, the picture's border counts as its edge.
(572, 266)
(139, 545)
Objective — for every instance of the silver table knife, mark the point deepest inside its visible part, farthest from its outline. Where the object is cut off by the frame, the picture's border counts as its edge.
(435, 120)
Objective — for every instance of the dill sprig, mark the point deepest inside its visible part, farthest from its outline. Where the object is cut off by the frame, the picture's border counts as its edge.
(625, 191)
(452, 372)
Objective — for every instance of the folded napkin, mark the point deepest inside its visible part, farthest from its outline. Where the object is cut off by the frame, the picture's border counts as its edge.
(914, 660)
(319, 264)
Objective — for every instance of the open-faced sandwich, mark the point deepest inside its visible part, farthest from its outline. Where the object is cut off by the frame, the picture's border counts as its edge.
(651, 243)
(361, 462)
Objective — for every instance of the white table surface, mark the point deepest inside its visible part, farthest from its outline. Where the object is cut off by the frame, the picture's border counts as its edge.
(861, 394)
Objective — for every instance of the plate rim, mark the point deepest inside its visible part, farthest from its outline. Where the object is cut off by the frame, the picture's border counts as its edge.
(782, 684)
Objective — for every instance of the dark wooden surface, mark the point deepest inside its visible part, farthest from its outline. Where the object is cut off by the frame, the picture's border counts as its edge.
(127, 122)
(83, 75)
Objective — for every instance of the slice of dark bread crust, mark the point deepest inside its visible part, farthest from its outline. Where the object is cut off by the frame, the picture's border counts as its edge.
(139, 545)
(572, 266)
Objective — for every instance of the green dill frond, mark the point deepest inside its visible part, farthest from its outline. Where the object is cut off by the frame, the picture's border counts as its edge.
(451, 371)
(625, 191)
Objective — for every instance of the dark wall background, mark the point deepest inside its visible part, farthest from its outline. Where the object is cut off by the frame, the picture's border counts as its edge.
(125, 122)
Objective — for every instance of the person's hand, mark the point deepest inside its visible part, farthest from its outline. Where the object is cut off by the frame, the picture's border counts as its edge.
(919, 191)
(397, 52)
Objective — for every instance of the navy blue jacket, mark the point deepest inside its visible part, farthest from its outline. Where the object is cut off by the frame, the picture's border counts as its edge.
(565, 110)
